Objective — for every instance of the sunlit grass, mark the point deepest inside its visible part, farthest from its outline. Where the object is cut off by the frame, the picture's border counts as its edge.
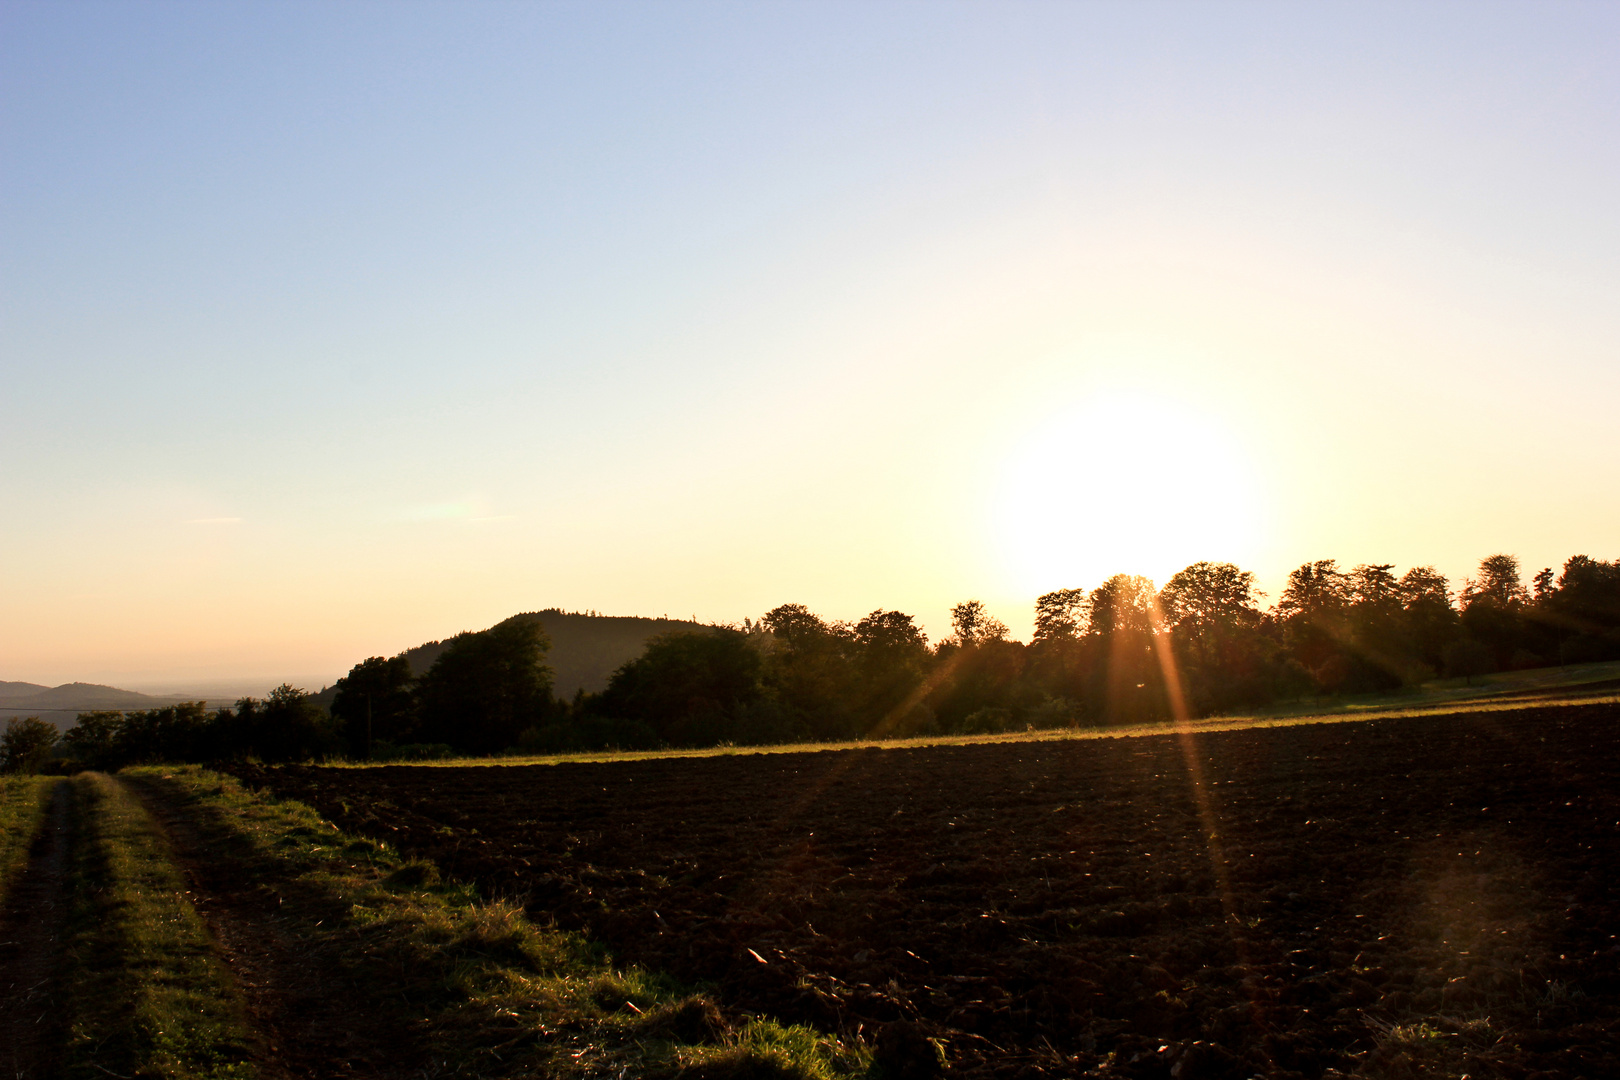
(22, 810)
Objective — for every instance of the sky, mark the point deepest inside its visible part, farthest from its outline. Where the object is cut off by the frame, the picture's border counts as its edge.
(329, 329)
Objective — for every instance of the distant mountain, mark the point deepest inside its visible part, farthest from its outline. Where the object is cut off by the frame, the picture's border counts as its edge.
(586, 649)
(19, 689)
(61, 705)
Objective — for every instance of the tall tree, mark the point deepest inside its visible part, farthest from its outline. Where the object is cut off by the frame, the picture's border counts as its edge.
(1123, 622)
(1313, 589)
(1493, 612)
(1497, 584)
(1216, 630)
(376, 701)
(692, 689)
(1585, 607)
(1207, 595)
(1430, 615)
(487, 687)
(1123, 603)
(1060, 615)
(972, 625)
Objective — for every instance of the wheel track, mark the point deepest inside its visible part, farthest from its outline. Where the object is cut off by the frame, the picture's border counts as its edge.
(309, 1020)
(31, 931)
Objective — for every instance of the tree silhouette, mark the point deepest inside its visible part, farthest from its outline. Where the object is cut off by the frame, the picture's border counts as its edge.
(1060, 615)
(26, 744)
(375, 701)
(487, 687)
(972, 625)
(692, 689)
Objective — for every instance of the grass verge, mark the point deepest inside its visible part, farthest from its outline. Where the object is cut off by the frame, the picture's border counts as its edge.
(483, 990)
(144, 991)
(22, 811)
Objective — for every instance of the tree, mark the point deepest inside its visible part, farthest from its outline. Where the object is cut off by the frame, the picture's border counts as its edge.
(1493, 610)
(26, 745)
(1123, 623)
(973, 626)
(487, 687)
(1585, 608)
(375, 701)
(1216, 633)
(890, 635)
(92, 742)
(1059, 615)
(1373, 585)
(1313, 589)
(285, 726)
(1430, 617)
(809, 668)
(1375, 630)
(1498, 584)
(1208, 595)
(1123, 603)
(692, 689)
(891, 655)
(794, 625)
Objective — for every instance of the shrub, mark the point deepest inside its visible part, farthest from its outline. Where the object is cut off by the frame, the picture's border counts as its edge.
(26, 745)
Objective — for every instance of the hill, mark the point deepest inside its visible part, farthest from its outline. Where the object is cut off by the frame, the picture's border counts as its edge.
(586, 648)
(19, 689)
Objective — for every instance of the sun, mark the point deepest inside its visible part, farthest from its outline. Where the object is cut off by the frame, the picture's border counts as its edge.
(1124, 483)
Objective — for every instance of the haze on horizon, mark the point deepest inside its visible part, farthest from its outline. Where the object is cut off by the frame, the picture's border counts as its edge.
(332, 329)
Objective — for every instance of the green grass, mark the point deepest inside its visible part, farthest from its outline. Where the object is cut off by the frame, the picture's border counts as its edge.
(22, 811)
(144, 992)
(1488, 693)
(489, 992)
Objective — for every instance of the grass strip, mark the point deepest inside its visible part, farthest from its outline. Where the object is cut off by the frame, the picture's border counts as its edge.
(488, 992)
(22, 811)
(145, 993)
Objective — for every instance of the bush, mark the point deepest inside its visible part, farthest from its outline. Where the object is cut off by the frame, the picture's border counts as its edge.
(26, 745)
(990, 720)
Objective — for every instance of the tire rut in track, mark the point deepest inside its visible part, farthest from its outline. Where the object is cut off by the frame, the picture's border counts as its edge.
(309, 1018)
(31, 930)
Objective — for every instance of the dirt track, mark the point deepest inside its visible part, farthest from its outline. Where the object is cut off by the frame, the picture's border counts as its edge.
(31, 930)
(307, 1020)
(1063, 907)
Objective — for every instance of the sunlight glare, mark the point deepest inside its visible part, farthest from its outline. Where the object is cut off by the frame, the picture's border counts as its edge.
(1125, 484)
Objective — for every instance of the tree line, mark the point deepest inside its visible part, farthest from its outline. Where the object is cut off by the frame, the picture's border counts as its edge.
(1125, 651)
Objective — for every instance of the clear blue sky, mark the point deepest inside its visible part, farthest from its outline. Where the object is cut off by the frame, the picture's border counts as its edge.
(329, 328)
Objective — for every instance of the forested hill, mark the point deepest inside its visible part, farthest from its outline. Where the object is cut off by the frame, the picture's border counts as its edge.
(586, 649)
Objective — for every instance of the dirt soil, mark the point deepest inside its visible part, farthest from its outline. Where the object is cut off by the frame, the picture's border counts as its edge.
(1423, 896)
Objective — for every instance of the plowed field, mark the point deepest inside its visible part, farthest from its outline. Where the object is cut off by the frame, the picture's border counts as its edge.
(1429, 896)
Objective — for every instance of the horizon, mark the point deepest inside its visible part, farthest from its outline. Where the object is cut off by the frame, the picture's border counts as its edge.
(332, 331)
